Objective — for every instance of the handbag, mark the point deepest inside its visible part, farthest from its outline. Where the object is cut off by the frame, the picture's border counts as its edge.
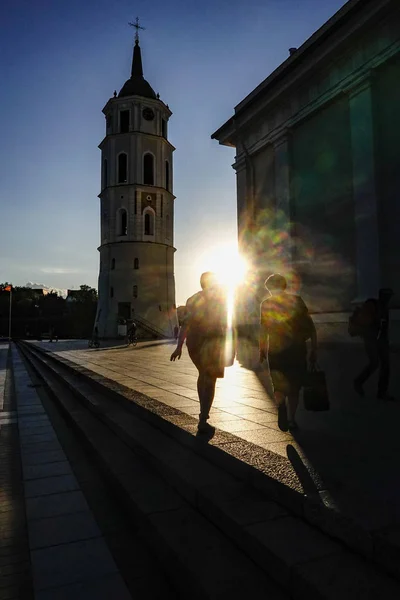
(315, 394)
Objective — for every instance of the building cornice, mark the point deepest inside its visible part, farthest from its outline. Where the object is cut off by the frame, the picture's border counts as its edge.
(298, 65)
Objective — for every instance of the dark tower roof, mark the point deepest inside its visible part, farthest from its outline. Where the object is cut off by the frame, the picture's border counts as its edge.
(137, 85)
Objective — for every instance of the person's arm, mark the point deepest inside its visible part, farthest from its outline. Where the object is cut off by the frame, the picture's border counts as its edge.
(314, 342)
(263, 343)
(312, 331)
(177, 353)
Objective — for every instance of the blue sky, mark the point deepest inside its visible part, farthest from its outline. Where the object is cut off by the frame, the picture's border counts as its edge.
(60, 62)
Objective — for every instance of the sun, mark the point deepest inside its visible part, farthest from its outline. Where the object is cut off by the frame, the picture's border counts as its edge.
(228, 265)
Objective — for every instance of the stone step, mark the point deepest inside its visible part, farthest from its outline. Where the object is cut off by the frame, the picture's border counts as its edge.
(281, 543)
(196, 555)
(270, 473)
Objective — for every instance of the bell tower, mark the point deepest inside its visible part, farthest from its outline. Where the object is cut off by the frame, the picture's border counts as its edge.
(136, 278)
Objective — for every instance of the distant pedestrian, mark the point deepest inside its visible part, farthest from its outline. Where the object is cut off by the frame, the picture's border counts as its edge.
(176, 332)
(204, 327)
(285, 326)
(132, 332)
(374, 330)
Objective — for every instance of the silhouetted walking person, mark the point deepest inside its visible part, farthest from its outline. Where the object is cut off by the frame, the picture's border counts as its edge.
(204, 328)
(285, 326)
(374, 317)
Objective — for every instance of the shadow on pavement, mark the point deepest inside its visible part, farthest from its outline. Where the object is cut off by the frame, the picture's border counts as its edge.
(352, 450)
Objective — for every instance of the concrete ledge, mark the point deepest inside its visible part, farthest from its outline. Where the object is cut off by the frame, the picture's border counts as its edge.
(195, 553)
(243, 460)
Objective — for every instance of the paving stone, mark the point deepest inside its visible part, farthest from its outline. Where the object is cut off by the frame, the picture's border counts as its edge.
(40, 458)
(241, 425)
(55, 504)
(31, 410)
(33, 438)
(35, 429)
(104, 588)
(50, 485)
(40, 447)
(71, 563)
(46, 470)
(62, 529)
(265, 436)
(287, 542)
(29, 419)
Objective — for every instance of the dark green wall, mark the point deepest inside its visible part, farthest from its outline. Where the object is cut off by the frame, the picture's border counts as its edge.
(386, 93)
(323, 209)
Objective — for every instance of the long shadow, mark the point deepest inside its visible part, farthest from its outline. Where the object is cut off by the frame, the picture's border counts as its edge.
(352, 450)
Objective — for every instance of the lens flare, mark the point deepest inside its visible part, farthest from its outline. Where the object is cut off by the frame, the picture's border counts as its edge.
(231, 270)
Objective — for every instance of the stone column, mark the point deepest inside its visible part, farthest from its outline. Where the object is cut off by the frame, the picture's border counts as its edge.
(364, 191)
(282, 198)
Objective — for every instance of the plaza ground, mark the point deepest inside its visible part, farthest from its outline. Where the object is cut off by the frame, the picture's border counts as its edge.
(351, 451)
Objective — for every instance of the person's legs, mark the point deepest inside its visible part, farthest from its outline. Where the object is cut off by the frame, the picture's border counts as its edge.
(280, 399)
(371, 349)
(384, 371)
(293, 402)
(206, 390)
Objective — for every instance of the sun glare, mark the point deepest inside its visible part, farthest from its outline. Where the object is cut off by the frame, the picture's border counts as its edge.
(230, 269)
(226, 262)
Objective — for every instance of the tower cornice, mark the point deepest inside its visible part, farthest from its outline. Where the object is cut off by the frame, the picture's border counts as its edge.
(137, 132)
(141, 187)
(156, 102)
(135, 242)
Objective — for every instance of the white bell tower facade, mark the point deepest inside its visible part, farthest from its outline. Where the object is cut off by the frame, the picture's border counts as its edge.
(136, 278)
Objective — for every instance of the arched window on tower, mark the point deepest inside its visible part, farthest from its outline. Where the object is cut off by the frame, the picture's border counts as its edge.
(136, 263)
(167, 175)
(122, 168)
(112, 264)
(148, 224)
(164, 128)
(124, 121)
(105, 173)
(122, 222)
(148, 169)
(135, 291)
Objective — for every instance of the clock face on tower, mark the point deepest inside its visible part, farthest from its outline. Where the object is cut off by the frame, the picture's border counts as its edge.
(148, 114)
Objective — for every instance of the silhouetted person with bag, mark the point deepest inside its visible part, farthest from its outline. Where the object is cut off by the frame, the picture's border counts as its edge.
(374, 330)
(285, 327)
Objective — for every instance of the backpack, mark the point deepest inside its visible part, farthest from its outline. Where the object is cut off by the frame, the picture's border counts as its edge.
(362, 319)
(301, 323)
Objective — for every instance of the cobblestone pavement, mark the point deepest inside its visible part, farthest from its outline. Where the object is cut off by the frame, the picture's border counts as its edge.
(50, 545)
(15, 568)
(353, 448)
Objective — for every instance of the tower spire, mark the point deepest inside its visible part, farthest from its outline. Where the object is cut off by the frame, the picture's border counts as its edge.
(137, 68)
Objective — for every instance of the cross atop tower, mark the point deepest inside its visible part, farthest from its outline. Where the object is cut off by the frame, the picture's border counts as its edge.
(137, 27)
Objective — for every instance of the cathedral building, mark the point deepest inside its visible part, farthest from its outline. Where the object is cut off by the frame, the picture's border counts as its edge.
(317, 167)
(136, 278)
